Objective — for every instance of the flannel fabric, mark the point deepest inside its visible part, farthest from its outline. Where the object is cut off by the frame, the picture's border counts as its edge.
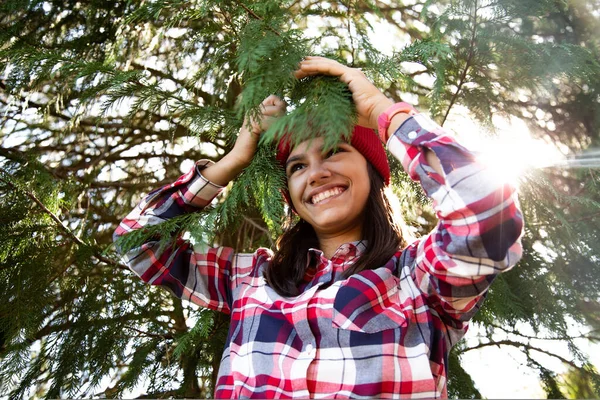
(384, 332)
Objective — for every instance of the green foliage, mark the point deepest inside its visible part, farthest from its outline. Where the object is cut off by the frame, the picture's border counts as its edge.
(581, 383)
(550, 384)
(460, 384)
(76, 331)
(322, 106)
(266, 59)
(102, 102)
(258, 186)
(435, 56)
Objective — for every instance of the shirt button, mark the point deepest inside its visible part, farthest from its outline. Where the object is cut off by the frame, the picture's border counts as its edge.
(412, 135)
(309, 350)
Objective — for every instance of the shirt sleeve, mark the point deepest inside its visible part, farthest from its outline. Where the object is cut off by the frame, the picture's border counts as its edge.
(205, 276)
(480, 224)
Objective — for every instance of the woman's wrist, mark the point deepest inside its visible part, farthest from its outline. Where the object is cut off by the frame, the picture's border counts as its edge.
(378, 110)
(245, 146)
(232, 163)
(223, 171)
(390, 119)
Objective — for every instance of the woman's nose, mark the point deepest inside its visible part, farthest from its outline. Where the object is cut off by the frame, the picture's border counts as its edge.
(317, 172)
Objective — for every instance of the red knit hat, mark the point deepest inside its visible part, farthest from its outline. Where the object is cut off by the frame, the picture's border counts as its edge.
(365, 140)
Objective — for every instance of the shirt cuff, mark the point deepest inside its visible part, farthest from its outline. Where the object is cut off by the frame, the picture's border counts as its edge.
(407, 143)
(199, 191)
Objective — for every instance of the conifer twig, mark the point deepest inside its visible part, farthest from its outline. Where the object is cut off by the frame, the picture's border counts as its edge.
(349, 29)
(585, 218)
(525, 346)
(155, 335)
(260, 228)
(590, 335)
(463, 75)
(57, 220)
(258, 17)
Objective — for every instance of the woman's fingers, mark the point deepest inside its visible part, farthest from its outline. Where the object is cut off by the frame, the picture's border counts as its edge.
(313, 65)
(273, 106)
(366, 96)
(272, 100)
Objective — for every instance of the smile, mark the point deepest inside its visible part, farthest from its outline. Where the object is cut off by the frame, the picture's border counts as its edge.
(319, 197)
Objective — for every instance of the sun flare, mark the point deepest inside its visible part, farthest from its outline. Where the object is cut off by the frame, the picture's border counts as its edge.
(510, 157)
(510, 151)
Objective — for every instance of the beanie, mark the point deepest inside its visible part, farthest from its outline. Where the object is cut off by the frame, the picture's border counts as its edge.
(365, 140)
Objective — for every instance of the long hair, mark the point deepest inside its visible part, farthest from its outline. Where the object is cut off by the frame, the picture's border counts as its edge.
(381, 231)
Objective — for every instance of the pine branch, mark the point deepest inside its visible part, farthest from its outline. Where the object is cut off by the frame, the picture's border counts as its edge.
(463, 75)
(260, 228)
(130, 185)
(234, 30)
(20, 156)
(148, 334)
(49, 329)
(93, 122)
(207, 97)
(524, 346)
(590, 335)
(57, 220)
(585, 218)
(51, 110)
(253, 14)
(349, 30)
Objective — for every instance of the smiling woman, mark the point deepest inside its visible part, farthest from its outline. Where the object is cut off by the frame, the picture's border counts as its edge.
(340, 197)
(342, 308)
(329, 191)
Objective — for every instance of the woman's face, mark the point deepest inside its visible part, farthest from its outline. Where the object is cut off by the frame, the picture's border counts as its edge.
(328, 190)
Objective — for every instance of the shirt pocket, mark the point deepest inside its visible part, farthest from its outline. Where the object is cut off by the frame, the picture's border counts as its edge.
(369, 302)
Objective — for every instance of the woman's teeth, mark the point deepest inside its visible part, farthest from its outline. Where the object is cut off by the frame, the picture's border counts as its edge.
(317, 198)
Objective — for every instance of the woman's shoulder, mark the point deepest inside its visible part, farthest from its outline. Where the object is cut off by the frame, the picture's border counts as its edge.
(408, 255)
(252, 264)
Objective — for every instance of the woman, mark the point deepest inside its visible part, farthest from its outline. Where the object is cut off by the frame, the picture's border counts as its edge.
(341, 309)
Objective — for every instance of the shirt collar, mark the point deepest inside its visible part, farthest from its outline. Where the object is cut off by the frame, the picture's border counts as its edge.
(320, 269)
(346, 250)
(342, 257)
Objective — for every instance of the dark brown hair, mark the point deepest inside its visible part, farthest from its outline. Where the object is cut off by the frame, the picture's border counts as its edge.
(381, 231)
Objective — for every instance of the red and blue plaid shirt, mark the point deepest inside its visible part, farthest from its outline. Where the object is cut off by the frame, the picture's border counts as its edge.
(383, 332)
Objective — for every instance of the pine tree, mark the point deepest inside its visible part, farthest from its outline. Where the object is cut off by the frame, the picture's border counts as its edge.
(102, 102)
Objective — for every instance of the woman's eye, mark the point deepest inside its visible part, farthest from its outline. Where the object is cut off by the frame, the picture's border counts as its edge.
(294, 168)
(333, 152)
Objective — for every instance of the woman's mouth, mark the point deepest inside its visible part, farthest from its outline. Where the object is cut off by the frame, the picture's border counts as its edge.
(319, 197)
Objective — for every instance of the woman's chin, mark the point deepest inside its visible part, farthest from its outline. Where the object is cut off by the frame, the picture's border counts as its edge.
(332, 222)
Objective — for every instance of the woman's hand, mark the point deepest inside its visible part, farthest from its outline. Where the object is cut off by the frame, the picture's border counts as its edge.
(244, 149)
(245, 146)
(369, 100)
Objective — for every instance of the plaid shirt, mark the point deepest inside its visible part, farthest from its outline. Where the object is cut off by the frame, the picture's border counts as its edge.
(384, 332)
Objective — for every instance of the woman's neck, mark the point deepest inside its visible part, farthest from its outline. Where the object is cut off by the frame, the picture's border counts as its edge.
(329, 243)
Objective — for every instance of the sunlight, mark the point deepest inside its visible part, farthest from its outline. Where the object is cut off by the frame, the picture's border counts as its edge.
(512, 154)
(510, 151)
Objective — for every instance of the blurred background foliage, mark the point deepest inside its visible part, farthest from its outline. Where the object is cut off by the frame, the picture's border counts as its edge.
(100, 102)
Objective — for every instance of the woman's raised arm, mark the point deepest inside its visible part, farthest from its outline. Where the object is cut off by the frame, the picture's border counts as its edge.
(230, 166)
(369, 100)
(205, 276)
(480, 223)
